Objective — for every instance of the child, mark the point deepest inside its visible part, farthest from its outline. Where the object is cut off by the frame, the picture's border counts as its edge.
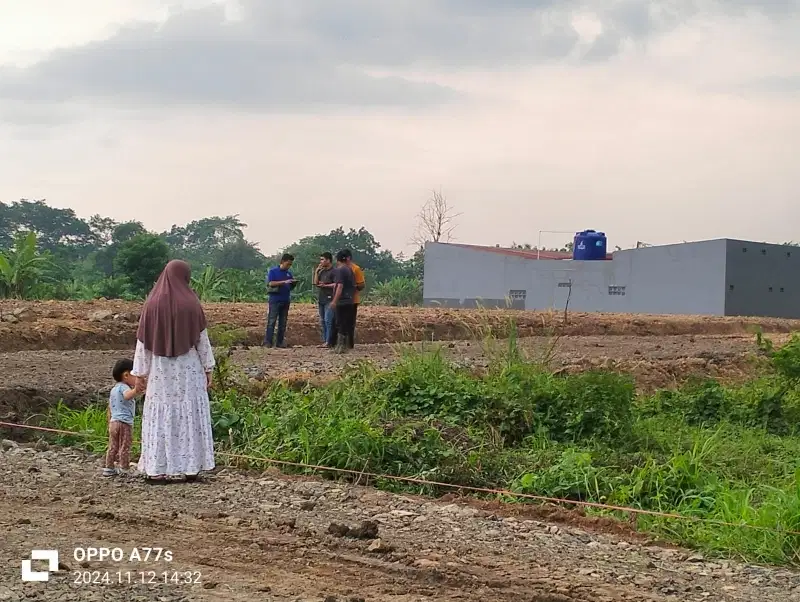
(121, 409)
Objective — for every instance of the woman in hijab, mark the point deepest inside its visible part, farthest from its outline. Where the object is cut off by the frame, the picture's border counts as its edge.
(174, 356)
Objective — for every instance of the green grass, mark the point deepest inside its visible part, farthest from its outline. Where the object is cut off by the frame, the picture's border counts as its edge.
(728, 457)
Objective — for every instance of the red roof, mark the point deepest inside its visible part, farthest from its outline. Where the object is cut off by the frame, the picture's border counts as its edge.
(524, 253)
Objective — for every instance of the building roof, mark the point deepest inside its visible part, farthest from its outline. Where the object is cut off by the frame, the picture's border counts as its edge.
(523, 253)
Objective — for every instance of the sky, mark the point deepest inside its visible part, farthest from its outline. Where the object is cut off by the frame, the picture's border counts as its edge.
(653, 121)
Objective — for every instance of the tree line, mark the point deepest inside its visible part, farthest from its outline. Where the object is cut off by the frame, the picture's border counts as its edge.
(52, 253)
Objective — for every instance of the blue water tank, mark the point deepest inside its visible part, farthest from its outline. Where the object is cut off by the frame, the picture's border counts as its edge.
(589, 246)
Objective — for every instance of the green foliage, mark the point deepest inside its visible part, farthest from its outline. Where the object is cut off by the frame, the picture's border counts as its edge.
(141, 260)
(92, 425)
(786, 360)
(209, 284)
(22, 268)
(771, 402)
(99, 257)
(707, 451)
(400, 291)
(215, 241)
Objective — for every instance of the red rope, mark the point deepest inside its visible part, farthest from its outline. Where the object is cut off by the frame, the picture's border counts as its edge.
(485, 490)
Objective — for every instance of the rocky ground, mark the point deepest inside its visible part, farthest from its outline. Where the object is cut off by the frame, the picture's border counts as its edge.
(265, 537)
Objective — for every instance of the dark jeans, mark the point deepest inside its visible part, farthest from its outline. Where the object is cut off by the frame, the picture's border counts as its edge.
(278, 312)
(345, 323)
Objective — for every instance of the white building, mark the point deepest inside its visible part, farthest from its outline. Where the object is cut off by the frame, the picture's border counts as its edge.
(720, 277)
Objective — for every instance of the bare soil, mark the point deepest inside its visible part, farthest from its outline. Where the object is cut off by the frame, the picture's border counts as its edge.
(267, 537)
(33, 380)
(61, 325)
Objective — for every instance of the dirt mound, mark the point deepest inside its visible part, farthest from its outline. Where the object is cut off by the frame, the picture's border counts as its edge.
(266, 537)
(112, 324)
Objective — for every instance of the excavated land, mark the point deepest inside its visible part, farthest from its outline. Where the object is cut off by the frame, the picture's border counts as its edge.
(55, 351)
(266, 537)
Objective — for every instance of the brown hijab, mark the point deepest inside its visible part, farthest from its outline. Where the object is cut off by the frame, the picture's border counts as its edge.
(172, 318)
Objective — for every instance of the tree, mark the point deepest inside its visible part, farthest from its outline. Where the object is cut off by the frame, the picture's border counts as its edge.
(414, 266)
(22, 268)
(59, 231)
(141, 259)
(102, 229)
(566, 248)
(203, 242)
(379, 265)
(239, 255)
(435, 221)
(115, 236)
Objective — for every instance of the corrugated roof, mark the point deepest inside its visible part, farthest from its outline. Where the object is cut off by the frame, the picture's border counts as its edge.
(524, 253)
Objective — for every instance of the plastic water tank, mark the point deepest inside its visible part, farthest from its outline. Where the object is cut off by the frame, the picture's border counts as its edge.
(589, 245)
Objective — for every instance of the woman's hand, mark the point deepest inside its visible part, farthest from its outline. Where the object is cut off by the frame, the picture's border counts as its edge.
(208, 380)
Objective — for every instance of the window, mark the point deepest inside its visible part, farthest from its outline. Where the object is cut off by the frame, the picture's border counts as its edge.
(744, 249)
(770, 289)
(763, 251)
(730, 287)
(517, 295)
(616, 290)
(781, 289)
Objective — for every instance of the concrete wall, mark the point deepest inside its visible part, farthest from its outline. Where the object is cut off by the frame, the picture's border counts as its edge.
(762, 280)
(676, 279)
(686, 278)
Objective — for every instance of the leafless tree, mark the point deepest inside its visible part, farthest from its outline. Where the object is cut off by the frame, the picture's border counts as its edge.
(435, 221)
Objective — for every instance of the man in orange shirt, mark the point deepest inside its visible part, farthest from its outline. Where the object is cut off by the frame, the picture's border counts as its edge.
(361, 283)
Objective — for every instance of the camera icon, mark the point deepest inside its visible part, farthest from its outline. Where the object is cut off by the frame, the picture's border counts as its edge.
(51, 556)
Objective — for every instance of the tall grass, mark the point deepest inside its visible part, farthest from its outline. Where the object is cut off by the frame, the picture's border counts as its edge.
(727, 457)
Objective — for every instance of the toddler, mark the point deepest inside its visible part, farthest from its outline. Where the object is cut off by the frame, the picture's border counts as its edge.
(121, 409)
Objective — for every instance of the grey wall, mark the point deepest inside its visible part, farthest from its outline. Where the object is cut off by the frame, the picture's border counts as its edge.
(762, 280)
(687, 278)
(671, 279)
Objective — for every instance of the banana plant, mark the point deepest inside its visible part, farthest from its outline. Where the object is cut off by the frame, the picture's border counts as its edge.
(21, 268)
(208, 285)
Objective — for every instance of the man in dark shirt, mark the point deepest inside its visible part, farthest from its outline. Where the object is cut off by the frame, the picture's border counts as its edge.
(342, 302)
(323, 280)
(280, 283)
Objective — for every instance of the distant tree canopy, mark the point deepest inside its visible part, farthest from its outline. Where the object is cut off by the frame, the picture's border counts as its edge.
(566, 248)
(47, 252)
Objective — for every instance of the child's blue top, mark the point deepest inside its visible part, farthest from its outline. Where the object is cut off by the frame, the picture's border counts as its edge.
(121, 409)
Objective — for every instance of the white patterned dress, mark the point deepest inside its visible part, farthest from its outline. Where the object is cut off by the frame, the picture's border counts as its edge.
(176, 422)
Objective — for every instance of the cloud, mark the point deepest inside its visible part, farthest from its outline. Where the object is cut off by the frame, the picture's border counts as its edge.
(282, 54)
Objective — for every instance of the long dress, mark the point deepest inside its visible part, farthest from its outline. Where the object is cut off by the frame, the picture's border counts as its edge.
(176, 422)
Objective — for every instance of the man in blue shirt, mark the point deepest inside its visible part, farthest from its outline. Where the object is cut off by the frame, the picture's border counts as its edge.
(280, 283)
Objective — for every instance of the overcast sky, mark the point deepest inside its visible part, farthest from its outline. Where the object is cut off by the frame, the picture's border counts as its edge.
(657, 121)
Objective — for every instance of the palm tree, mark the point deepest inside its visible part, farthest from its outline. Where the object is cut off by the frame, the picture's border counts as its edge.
(21, 267)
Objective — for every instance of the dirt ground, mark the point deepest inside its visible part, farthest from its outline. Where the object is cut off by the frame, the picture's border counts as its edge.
(248, 537)
(58, 325)
(266, 537)
(33, 380)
